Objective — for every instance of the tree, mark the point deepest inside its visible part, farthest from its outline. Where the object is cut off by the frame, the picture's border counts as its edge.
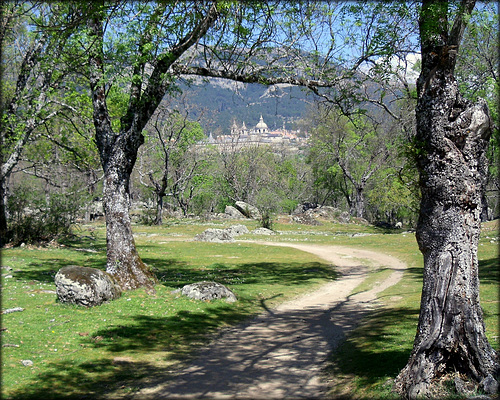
(139, 49)
(453, 135)
(29, 84)
(171, 162)
(160, 42)
(354, 148)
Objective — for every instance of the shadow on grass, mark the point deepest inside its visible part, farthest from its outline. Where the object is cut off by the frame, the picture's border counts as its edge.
(489, 271)
(378, 350)
(173, 273)
(169, 338)
(172, 338)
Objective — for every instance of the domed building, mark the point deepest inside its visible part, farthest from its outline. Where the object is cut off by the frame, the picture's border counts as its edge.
(259, 134)
(261, 127)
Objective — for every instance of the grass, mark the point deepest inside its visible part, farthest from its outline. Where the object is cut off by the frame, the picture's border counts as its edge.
(111, 350)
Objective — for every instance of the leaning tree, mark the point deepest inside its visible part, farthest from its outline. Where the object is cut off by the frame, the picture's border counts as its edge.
(452, 137)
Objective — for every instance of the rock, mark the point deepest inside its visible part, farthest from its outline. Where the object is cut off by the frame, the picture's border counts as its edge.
(306, 219)
(232, 212)
(215, 236)
(325, 212)
(263, 231)
(85, 286)
(345, 217)
(208, 291)
(462, 387)
(248, 210)
(27, 363)
(11, 310)
(489, 385)
(302, 208)
(237, 230)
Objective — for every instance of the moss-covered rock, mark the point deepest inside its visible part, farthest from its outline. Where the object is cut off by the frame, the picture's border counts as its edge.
(85, 286)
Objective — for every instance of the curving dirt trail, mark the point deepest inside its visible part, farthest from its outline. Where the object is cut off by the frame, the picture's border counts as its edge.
(279, 354)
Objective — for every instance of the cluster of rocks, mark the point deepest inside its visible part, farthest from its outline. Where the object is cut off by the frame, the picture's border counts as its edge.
(89, 287)
(216, 235)
(310, 213)
(242, 210)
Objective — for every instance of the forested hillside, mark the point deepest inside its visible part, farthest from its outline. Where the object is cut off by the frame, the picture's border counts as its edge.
(220, 101)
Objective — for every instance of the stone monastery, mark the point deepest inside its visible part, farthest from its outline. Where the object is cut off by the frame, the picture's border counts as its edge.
(260, 134)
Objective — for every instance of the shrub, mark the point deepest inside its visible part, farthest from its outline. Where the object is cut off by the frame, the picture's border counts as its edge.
(35, 216)
(266, 220)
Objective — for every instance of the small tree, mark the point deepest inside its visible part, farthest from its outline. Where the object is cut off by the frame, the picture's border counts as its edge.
(354, 149)
(168, 159)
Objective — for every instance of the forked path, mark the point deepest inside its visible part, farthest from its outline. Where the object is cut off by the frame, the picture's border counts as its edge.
(279, 354)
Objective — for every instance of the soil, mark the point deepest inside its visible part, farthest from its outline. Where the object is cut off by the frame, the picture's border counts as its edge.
(280, 354)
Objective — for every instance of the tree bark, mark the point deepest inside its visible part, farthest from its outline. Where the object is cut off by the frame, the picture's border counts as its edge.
(453, 135)
(123, 261)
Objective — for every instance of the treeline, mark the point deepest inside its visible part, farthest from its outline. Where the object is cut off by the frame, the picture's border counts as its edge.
(354, 164)
(360, 154)
(363, 164)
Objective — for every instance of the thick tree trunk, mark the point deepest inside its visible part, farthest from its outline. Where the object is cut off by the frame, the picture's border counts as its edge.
(453, 135)
(123, 261)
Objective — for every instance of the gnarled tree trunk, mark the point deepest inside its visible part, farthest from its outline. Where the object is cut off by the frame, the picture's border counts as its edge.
(453, 135)
(123, 261)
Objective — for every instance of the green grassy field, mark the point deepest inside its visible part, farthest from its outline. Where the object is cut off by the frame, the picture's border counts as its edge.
(111, 350)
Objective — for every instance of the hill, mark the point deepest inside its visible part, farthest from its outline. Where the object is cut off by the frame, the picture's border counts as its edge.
(218, 102)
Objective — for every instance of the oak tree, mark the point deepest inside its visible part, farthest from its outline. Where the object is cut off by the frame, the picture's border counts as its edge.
(453, 134)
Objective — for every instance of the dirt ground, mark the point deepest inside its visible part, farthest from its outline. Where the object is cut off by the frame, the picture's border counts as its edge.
(280, 354)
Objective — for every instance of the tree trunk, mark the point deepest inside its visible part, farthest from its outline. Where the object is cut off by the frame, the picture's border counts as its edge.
(3, 211)
(123, 261)
(360, 201)
(453, 135)
(159, 208)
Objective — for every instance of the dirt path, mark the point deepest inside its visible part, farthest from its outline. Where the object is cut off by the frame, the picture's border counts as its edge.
(279, 354)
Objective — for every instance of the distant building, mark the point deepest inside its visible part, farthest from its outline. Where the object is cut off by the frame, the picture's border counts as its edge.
(260, 134)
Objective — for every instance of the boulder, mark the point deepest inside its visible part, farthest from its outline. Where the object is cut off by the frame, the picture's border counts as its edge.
(215, 236)
(248, 210)
(207, 291)
(305, 218)
(85, 286)
(232, 212)
(489, 385)
(302, 208)
(237, 230)
(344, 217)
